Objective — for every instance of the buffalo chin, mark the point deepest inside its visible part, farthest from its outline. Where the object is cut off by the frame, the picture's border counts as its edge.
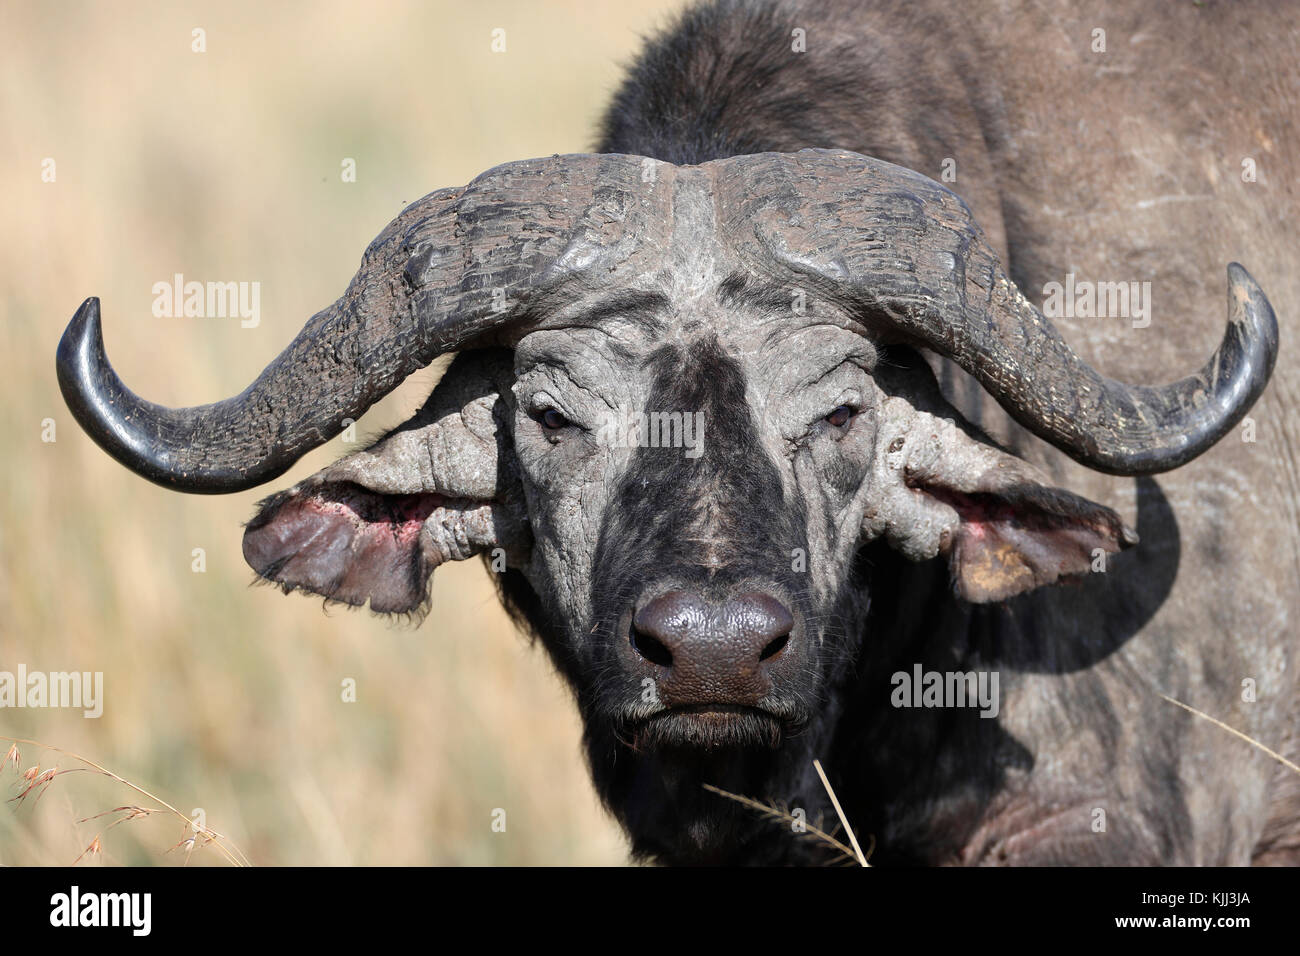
(676, 792)
(708, 728)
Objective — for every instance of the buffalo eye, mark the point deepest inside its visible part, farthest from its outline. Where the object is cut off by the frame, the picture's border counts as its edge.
(840, 416)
(553, 420)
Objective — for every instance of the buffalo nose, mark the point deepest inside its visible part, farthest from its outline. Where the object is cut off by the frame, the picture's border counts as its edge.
(713, 652)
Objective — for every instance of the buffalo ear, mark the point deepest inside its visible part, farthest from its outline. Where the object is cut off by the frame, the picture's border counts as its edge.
(1022, 537)
(373, 526)
(942, 488)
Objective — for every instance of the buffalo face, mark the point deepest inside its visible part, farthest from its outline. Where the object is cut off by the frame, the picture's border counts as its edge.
(674, 461)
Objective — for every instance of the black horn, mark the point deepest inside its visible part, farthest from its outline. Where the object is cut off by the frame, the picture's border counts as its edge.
(454, 268)
(906, 255)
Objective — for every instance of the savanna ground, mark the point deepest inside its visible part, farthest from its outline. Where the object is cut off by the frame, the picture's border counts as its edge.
(226, 165)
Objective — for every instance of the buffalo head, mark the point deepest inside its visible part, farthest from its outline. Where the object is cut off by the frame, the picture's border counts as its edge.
(686, 398)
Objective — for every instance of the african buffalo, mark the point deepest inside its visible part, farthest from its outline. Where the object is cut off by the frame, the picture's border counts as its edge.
(778, 419)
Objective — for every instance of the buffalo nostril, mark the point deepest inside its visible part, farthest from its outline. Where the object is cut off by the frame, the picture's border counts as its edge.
(763, 624)
(774, 647)
(651, 648)
(659, 627)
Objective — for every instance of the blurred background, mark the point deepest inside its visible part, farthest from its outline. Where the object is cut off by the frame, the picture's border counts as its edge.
(127, 157)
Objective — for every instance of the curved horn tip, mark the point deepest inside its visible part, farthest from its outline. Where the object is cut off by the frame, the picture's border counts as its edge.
(81, 340)
(1228, 385)
(1247, 302)
(96, 397)
(1252, 327)
(82, 328)
(87, 312)
(90, 386)
(1240, 369)
(1239, 275)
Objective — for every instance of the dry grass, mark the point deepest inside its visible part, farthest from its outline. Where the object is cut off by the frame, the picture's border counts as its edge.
(802, 828)
(839, 812)
(225, 166)
(1289, 764)
(196, 835)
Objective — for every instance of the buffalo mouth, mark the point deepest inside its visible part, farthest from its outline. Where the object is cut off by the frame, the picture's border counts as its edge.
(707, 727)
